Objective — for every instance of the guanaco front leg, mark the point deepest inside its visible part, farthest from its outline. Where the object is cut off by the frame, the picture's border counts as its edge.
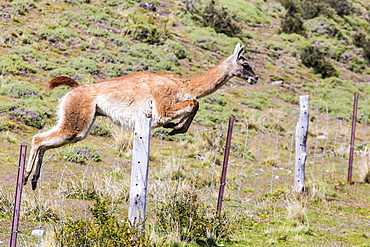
(187, 109)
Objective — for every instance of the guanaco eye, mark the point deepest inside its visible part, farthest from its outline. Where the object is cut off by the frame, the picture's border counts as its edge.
(247, 66)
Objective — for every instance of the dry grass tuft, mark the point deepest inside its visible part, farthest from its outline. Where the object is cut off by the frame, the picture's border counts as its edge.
(38, 208)
(296, 211)
(6, 201)
(48, 240)
(123, 138)
(106, 186)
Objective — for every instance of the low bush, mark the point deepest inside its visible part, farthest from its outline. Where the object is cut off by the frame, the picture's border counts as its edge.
(112, 70)
(27, 52)
(84, 65)
(363, 41)
(145, 57)
(208, 39)
(15, 64)
(99, 129)
(32, 111)
(193, 221)
(145, 29)
(216, 17)
(66, 72)
(256, 101)
(298, 11)
(20, 89)
(321, 26)
(213, 111)
(83, 154)
(102, 228)
(55, 34)
(312, 57)
(245, 11)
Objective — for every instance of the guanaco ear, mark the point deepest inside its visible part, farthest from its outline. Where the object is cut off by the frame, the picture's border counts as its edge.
(238, 51)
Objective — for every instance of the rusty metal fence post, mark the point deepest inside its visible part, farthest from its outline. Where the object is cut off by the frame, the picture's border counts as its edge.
(18, 195)
(224, 166)
(353, 135)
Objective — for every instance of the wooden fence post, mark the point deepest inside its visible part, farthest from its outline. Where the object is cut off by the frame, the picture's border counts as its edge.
(139, 172)
(300, 143)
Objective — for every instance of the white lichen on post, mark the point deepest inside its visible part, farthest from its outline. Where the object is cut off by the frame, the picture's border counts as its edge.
(300, 143)
(139, 172)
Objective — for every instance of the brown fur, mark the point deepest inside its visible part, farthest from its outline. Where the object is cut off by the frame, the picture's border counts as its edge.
(162, 97)
(59, 80)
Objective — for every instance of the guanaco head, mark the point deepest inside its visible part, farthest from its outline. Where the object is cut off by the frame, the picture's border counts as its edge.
(241, 67)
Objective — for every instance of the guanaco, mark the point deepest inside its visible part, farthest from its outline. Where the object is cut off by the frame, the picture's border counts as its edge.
(162, 97)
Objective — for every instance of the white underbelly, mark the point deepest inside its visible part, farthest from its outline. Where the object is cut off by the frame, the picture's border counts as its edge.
(124, 113)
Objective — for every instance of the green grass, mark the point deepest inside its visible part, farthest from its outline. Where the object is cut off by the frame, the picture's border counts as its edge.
(95, 40)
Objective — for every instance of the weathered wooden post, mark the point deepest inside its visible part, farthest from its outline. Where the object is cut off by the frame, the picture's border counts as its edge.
(139, 172)
(300, 143)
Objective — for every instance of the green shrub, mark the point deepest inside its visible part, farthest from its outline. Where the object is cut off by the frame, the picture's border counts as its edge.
(21, 7)
(47, 65)
(83, 154)
(322, 26)
(77, 2)
(145, 57)
(4, 107)
(357, 64)
(215, 16)
(256, 101)
(14, 64)
(208, 39)
(112, 70)
(362, 40)
(177, 48)
(213, 111)
(32, 111)
(84, 65)
(293, 24)
(66, 72)
(99, 129)
(297, 11)
(103, 228)
(25, 51)
(312, 57)
(20, 89)
(55, 34)
(6, 125)
(74, 18)
(145, 29)
(192, 220)
(244, 11)
(342, 8)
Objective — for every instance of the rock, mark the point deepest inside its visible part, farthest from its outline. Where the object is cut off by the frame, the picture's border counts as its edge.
(277, 83)
(38, 233)
(148, 6)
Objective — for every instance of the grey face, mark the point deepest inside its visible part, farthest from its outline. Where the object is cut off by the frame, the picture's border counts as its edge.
(246, 71)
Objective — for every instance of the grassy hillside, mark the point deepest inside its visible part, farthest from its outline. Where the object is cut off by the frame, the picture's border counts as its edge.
(320, 48)
(90, 41)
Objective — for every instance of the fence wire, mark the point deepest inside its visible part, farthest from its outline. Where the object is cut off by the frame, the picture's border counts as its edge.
(261, 164)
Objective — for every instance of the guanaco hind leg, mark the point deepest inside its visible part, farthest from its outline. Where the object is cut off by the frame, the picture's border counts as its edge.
(40, 144)
(76, 119)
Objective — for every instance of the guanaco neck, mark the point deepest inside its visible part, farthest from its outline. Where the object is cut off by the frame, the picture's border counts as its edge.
(209, 82)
